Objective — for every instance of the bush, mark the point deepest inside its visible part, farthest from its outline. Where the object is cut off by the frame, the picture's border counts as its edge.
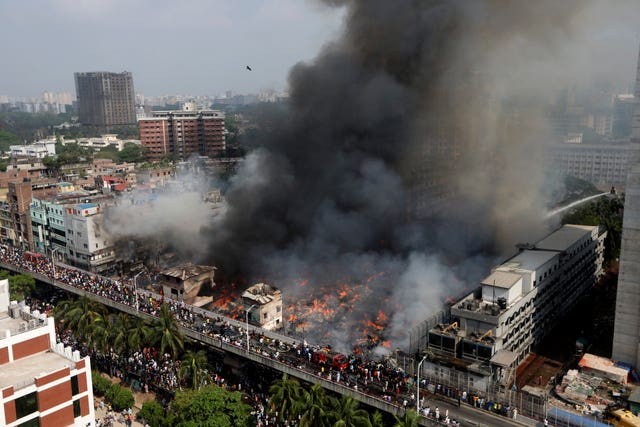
(123, 400)
(100, 384)
(152, 413)
(119, 397)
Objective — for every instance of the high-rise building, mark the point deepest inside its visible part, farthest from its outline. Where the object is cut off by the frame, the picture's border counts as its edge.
(181, 133)
(105, 99)
(626, 333)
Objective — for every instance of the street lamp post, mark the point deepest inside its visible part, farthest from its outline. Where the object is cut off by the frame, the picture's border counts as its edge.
(53, 261)
(418, 386)
(248, 310)
(135, 287)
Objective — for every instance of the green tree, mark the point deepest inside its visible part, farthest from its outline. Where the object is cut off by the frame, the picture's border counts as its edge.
(314, 404)
(140, 334)
(167, 332)
(211, 406)
(192, 368)
(152, 413)
(377, 420)
(121, 398)
(286, 398)
(347, 414)
(120, 332)
(100, 384)
(410, 419)
(21, 286)
(131, 153)
(7, 139)
(606, 212)
(80, 315)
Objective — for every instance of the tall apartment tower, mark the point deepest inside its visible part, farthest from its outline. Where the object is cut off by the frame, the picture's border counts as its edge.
(181, 133)
(626, 334)
(105, 99)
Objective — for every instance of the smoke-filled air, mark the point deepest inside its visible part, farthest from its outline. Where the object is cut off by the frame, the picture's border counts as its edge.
(409, 164)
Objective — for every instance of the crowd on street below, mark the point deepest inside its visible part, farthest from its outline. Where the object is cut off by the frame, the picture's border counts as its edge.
(147, 370)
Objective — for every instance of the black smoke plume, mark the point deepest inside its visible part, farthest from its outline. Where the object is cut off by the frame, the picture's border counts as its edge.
(411, 148)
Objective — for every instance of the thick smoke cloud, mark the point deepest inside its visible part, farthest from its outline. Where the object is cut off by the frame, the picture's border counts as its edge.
(412, 148)
(176, 217)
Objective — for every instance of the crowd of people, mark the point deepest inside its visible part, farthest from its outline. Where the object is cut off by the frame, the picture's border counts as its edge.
(378, 379)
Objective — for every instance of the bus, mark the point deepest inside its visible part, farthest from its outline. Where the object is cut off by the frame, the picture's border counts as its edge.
(622, 418)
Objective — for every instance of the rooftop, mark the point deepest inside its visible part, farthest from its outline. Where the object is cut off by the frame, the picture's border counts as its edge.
(23, 371)
(502, 279)
(188, 270)
(563, 238)
(529, 260)
(262, 293)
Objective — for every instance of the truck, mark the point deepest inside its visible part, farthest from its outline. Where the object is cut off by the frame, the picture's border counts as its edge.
(327, 357)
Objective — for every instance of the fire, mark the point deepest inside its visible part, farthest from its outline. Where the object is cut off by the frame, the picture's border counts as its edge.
(374, 325)
(386, 344)
(382, 318)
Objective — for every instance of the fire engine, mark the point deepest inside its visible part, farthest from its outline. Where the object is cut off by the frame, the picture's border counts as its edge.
(330, 358)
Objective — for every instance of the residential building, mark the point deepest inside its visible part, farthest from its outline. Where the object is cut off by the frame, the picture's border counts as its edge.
(605, 164)
(105, 99)
(622, 114)
(38, 149)
(626, 333)
(15, 218)
(42, 383)
(104, 141)
(264, 303)
(181, 133)
(88, 244)
(184, 282)
(494, 327)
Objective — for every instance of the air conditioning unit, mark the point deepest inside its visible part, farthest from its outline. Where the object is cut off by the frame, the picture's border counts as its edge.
(33, 323)
(22, 327)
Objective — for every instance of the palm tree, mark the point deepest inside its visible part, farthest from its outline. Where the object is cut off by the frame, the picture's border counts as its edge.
(80, 315)
(192, 367)
(167, 332)
(120, 332)
(410, 419)
(377, 420)
(286, 396)
(101, 333)
(315, 404)
(347, 414)
(140, 334)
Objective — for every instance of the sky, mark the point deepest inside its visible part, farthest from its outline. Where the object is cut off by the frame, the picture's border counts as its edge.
(201, 47)
(191, 47)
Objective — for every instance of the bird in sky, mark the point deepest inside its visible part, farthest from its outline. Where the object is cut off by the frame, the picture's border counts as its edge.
(249, 68)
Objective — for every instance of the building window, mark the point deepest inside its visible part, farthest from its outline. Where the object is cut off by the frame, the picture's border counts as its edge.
(75, 389)
(76, 409)
(26, 405)
(33, 422)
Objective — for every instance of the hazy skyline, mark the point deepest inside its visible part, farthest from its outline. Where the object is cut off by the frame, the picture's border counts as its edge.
(192, 47)
(201, 47)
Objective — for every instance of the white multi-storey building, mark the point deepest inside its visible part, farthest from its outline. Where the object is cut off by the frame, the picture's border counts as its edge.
(39, 149)
(520, 301)
(89, 246)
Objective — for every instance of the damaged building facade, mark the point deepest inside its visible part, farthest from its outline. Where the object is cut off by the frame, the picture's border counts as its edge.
(266, 303)
(183, 283)
(493, 329)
